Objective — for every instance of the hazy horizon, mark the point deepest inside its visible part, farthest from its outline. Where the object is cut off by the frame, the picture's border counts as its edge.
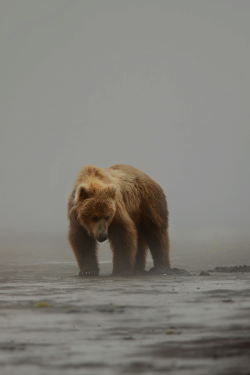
(160, 85)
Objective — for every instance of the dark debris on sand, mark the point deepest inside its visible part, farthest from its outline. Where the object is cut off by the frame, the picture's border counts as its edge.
(168, 271)
(204, 273)
(231, 269)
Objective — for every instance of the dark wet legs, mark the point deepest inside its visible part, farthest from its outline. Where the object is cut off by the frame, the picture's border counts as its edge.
(141, 255)
(123, 241)
(84, 248)
(159, 248)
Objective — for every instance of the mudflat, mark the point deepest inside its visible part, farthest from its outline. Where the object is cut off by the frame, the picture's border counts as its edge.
(54, 322)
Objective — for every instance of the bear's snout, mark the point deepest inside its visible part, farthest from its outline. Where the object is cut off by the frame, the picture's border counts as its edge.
(101, 231)
(102, 237)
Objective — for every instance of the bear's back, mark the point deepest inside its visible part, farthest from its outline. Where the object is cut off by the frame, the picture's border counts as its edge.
(127, 174)
(140, 193)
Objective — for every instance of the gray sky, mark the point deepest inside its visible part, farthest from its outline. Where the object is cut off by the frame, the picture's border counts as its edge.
(160, 85)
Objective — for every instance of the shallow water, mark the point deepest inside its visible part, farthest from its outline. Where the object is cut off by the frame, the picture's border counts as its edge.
(54, 322)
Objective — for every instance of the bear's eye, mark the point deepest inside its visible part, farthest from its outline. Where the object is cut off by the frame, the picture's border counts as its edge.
(107, 218)
(95, 219)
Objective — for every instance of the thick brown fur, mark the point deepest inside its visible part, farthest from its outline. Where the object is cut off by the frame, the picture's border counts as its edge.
(124, 205)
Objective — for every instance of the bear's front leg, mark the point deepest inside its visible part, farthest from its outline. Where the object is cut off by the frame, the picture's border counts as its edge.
(84, 248)
(123, 241)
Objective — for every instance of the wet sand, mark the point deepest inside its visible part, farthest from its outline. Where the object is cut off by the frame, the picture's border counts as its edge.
(54, 322)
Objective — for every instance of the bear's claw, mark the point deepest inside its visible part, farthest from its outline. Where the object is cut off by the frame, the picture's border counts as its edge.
(89, 273)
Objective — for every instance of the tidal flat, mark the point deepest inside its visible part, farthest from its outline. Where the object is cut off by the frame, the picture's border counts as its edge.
(53, 321)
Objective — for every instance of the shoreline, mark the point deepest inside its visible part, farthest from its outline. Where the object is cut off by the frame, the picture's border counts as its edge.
(52, 321)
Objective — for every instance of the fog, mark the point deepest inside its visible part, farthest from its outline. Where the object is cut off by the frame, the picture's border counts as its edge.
(164, 86)
(160, 85)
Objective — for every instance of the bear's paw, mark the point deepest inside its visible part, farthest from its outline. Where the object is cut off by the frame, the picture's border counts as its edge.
(87, 273)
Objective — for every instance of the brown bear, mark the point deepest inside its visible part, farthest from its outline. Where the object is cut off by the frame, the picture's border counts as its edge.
(125, 206)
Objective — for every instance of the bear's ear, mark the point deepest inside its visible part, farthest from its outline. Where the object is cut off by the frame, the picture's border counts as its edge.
(109, 191)
(82, 192)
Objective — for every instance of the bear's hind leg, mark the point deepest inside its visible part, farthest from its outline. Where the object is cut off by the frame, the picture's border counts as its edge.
(141, 254)
(158, 242)
(84, 248)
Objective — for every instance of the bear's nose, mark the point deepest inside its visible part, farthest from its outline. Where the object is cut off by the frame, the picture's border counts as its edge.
(102, 237)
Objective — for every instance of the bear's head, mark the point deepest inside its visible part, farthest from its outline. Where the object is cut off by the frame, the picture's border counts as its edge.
(96, 208)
